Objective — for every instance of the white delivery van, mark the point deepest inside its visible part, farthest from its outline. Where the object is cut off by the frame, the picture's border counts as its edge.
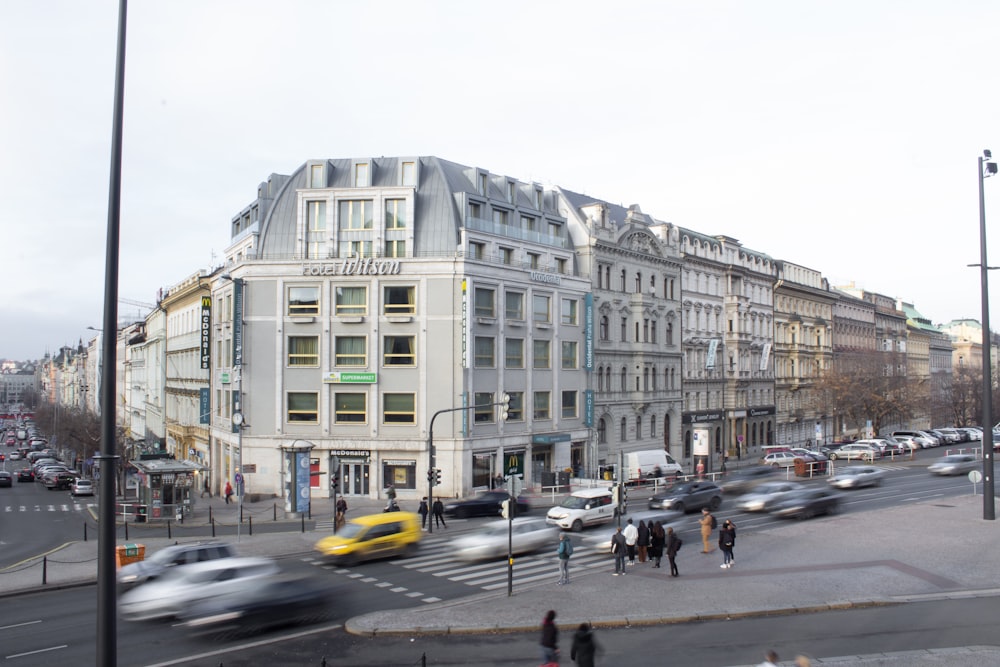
(643, 465)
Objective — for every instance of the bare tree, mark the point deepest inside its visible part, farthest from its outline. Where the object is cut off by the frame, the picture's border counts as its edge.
(865, 386)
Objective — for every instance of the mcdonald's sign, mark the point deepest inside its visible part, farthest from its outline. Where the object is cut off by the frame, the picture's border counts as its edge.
(515, 464)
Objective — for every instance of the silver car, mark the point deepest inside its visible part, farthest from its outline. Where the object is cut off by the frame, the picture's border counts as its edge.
(954, 464)
(765, 496)
(526, 535)
(853, 477)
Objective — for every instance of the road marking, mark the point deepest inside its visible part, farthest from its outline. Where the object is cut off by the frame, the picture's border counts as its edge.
(41, 650)
(413, 595)
(398, 589)
(18, 625)
(239, 647)
(431, 599)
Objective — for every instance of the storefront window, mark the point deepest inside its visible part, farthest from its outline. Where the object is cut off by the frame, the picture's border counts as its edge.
(401, 474)
(481, 469)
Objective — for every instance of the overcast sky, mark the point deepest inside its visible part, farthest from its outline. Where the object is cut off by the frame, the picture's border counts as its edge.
(839, 135)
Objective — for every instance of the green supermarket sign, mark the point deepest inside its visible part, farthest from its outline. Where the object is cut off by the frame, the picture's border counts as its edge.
(350, 378)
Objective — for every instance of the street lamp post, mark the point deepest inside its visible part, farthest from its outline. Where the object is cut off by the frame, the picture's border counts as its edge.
(986, 169)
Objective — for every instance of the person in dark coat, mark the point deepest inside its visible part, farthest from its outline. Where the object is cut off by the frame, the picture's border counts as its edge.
(550, 639)
(585, 647)
(727, 540)
(673, 545)
(439, 513)
(642, 543)
(657, 539)
(618, 549)
(423, 512)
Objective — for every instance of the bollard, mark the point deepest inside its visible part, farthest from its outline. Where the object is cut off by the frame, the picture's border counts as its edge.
(250, 519)
(303, 517)
(126, 531)
(213, 527)
(274, 508)
(45, 570)
(84, 531)
(241, 511)
(210, 514)
(168, 530)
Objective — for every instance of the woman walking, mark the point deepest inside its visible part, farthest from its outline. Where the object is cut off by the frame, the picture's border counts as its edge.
(673, 546)
(657, 538)
(642, 543)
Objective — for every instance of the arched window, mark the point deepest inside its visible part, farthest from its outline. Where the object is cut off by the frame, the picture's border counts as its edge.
(645, 379)
(624, 430)
(670, 333)
(605, 328)
(666, 431)
(638, 428)
(624, 286)
(638, 283)
(624, 379)
(652, 426)
(602, 431)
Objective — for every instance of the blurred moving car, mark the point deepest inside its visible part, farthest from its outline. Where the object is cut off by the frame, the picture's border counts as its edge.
(371, 537)
(180, 588)
(6, 479)
(485, 504)
(688, 497)
(745, 479)
(954, 464)
(81, 487)
(765, 496)
(525, 535)
(854, 477)
(281, 601)
(807, 503)
(175, 555)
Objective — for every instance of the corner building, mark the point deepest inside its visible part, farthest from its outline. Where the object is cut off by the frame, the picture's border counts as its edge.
(364, 296)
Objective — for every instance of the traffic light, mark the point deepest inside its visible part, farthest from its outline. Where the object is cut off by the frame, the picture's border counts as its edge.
(437, 477)
(508, 508)
(335, 482)
(616, 495)
(504, 406)
(430, 475)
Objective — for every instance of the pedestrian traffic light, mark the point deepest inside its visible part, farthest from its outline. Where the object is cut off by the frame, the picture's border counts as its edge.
(508, 508)
(504, 406)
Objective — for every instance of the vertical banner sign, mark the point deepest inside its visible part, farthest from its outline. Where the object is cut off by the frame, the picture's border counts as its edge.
(466, 352)
(302, 482)
(700, 442)
(204, 405)
(765, 356)
(588, 408)
(237, 323)
(588, 332)
(713, 346)
(206, 330)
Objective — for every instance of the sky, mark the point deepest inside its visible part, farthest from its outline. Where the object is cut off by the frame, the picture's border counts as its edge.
(839, 135)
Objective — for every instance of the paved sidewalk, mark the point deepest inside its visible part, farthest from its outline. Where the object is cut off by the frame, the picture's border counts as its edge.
(865, 558)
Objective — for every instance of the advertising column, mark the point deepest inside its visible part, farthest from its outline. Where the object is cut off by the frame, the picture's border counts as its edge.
(702, 451)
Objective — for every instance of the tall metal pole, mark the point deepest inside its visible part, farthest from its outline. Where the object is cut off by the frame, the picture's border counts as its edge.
(107, 613)
(989, 502)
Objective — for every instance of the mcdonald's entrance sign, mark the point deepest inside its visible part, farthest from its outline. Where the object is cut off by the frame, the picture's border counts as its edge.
(515, 464)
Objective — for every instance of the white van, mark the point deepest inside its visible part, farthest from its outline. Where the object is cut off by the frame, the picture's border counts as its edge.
(643, 465)
(586, 507)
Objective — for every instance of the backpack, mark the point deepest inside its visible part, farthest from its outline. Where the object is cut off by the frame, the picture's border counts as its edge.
(715, 522)
(565, 548)
(680, 543)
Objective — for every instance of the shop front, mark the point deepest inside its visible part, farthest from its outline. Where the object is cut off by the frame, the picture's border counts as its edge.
(166, 487)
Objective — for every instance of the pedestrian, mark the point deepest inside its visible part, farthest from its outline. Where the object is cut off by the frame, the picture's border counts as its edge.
(618, 549)
(423, 511)
(707, 523)
(585, 647)
(206, 488)
(700, 469)
(642, 542)
(770, 660)
(657, 539)
(727, 540)
(674, 544)
(390, 492)
(550, 640)
(631, 534)
(341, 515)
(229, 492)
(564, 551)
(439, 513)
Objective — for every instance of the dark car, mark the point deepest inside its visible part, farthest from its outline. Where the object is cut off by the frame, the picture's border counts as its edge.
(807, 503)
(6, 479)
(25, 475)
(688, 497)
(743, 480)
(485, 504)
(60, 481)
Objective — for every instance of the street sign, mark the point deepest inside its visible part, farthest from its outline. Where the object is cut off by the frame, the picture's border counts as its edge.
(515, 464)
(975, 476)
(249, 467)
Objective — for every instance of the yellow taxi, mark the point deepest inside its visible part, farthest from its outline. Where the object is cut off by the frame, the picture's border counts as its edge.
(371, 537)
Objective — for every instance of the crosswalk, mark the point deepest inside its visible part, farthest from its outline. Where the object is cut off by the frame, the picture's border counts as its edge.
(49, 507)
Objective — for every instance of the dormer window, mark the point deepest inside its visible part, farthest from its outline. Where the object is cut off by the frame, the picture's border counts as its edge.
(316, 176)
(361, 175)
(408, 174)
(483, 184)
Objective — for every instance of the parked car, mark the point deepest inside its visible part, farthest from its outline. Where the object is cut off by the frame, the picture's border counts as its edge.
(765, 496)
(946, 438)
(59, 481)
(807, 503)
(688, 497)
(491, 541)
(485, 504)
(864, 451)
(954, 435)
(745, 479)
(587, 507)
(925, 439)
(908, 443)
(81, 487)
(853, 477)
(954, 464)
(169, 557)
(6, 478)
(178, 589)
(372, 537)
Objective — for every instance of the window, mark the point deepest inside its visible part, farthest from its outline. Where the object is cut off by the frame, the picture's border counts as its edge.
(316, 229)
(515, 411)
(514, 305)
(477, 250)
(356, 214)
(484, 409)
(303, 351)
(485, 352)
(400, 300)
(303, 407)
(542, 405)
(542, 352)
(361, 175)
(602, 431)
(569, 316)
(485, 300)
(475, 210)
(351, 300)
(624, 329)
(316, 176)
(540, 310)
(624, 430)
(483, 182)
(534, 260)
(350, 408)
(351, 351)
(395, 214)
(349, 249)
(569, 359)
(303, 300)
(409, 173)
(399, 351)
(514, 353)
(395, 248)
(528, 223)
(604, 328)
(569, 404)
(499, 217)
(561, 265)
(399, 409)
(507, 255)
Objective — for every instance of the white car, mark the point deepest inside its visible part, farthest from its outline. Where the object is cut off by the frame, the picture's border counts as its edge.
(586, 507)
(853, 477)
(81, 487)
(525, 535)
(172, 593)
(765, 496)
(954, 464)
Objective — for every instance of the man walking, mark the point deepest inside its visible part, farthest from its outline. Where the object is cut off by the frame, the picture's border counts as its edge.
(707, 523)
(631, 534)
(439, 513)
(564, 551)
(618, 549)
(341, 515)
(423, 511)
